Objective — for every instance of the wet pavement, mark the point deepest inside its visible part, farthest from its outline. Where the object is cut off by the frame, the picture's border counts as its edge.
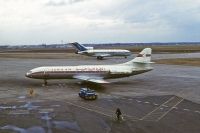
(78, 115)
(164, 100)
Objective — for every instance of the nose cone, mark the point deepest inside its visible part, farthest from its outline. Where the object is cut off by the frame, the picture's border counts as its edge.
(28, 74)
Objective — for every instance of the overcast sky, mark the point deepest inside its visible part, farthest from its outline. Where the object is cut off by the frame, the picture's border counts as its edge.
(98, 21)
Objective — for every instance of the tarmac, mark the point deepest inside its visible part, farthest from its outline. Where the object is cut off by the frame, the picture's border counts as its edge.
(165, 100)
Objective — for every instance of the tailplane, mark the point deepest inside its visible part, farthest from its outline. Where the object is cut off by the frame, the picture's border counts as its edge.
(78, 46)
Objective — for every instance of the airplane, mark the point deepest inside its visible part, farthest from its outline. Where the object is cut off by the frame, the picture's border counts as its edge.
(99, 53)
(95, 73)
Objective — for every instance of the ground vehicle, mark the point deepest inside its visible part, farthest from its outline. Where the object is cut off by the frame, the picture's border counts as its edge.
(87, 94)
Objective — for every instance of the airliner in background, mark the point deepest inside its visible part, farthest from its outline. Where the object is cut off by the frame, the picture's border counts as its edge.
(95, 73)
(99, 53)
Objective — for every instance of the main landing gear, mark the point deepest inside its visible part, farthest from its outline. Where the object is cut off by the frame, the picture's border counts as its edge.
(99, 57)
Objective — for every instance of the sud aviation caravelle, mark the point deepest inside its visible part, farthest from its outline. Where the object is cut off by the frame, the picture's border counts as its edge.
(95, 73)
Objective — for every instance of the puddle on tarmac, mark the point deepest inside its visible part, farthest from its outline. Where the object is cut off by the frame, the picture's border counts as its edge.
(66, 125)
(7, 107)
(37, 129)
(55, 105)
(29, 106)
(21, 97)
(34, 129)
(45, 116)
(58, 124)
(19, 112)
(104, 125)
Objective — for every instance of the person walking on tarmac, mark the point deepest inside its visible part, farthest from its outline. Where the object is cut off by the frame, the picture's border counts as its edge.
(118, 113)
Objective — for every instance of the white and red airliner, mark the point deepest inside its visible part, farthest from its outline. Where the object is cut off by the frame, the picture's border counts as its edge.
(95, 73)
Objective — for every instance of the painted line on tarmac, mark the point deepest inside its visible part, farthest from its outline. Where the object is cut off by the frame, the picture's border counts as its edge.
(94, 106)
(132, 118)
(156, 108)
(138, 101)
(186, 109)
(197, 111)
(169, 110)
(155, 104)
(91, 110)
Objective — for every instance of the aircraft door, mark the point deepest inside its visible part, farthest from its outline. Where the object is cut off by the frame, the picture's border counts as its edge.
(46, 74)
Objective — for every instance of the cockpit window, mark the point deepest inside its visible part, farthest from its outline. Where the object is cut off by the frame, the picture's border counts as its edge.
(29, 72)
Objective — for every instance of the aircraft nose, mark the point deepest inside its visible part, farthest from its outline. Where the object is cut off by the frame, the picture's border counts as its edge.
(28, 74)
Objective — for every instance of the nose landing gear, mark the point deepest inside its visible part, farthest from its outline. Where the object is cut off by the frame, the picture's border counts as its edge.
(45, 82)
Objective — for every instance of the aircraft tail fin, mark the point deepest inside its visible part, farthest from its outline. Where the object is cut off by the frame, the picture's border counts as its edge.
(144, 57)
(78, 46)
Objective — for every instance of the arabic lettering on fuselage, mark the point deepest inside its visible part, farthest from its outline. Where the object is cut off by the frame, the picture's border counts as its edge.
(91, 69)
(85, 69)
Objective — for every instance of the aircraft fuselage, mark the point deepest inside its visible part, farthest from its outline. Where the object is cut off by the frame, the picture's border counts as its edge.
(106, 52)
(68, 72)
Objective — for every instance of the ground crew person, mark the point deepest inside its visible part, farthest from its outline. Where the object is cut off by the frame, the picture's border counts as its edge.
(31, 92)
(118, 113)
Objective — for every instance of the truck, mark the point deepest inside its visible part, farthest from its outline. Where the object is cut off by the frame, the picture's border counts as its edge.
(87, 94)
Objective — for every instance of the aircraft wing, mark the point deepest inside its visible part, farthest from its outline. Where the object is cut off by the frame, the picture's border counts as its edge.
(94, 79)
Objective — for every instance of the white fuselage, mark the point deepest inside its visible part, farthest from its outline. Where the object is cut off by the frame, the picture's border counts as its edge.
(68, 72)
(105, 52)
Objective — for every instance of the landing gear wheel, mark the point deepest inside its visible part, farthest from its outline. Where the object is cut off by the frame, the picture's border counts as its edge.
(99, 57)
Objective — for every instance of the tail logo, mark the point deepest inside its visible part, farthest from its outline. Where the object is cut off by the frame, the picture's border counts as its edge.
(148, 55)
(142, 55)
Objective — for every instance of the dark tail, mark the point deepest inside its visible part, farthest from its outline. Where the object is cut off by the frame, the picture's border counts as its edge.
(78, 46)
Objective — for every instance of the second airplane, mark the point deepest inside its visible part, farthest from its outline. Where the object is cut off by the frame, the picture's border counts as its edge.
(100, 53)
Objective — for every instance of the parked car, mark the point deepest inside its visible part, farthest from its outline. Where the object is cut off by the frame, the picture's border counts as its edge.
(87, 94)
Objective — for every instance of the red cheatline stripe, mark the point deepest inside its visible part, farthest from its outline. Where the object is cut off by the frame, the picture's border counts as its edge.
(55, 72)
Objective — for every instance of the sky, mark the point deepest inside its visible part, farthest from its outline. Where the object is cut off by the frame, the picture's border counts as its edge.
(24, 22)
